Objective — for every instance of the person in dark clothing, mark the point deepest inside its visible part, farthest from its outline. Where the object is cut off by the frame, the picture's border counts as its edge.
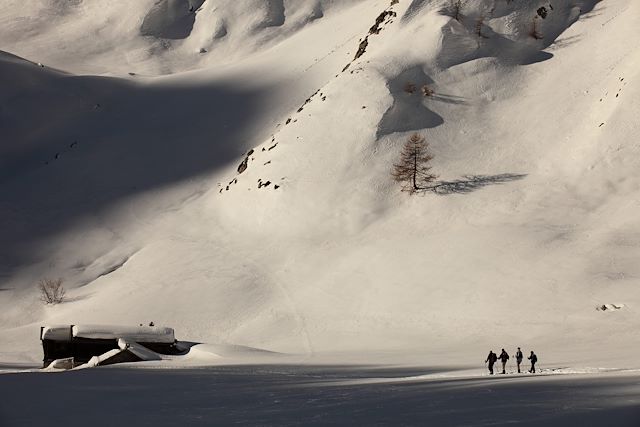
(533, 359)
(519, 357)
(491, 358)
(503, 358)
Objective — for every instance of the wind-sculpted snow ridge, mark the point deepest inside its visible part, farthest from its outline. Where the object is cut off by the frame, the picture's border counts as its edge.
(251, 201)
(153, 37)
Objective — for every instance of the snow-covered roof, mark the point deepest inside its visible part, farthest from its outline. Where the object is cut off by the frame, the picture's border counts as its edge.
(155, 334)
(135, 333)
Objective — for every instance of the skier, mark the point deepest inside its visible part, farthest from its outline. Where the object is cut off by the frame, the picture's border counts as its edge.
(519, 358)
(491, 358)
(503, 358)
(533, 359)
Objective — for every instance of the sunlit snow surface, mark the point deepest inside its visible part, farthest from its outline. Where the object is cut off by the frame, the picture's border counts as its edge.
(319, 395)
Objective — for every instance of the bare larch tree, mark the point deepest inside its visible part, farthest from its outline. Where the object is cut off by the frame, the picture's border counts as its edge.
(413, 170)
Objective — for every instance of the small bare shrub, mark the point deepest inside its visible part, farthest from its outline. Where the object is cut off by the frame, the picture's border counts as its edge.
(426, 90)
(409, 87)
(51, 291)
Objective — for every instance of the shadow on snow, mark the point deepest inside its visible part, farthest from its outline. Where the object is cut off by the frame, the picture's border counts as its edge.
(471, 183)
(294, 395)
(74, 146)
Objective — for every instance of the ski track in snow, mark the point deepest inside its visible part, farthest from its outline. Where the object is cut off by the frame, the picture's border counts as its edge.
(298, 316)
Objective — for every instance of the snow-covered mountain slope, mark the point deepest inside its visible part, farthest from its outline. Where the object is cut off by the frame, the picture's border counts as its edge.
(156, 36)
(134, 188)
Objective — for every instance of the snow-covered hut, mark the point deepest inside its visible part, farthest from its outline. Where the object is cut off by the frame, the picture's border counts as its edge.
(106, 344)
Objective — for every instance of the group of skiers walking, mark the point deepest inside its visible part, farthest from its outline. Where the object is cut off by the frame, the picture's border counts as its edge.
(504, 356)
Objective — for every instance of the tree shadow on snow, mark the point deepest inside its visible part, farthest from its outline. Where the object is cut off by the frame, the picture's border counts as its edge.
(449, 99)
(471, 183)
(76, 298)
(564, 42)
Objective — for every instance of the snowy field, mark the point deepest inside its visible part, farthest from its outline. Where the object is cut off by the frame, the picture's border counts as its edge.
(315, 395)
